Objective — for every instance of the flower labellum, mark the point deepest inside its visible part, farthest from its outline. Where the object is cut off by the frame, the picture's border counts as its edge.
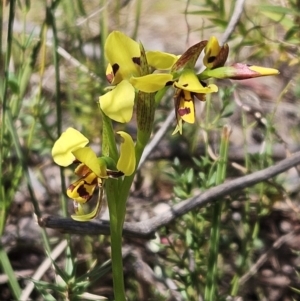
(92, 170)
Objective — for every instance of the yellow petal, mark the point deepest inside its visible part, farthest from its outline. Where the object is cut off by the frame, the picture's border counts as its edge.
(126, 162)
(186, 109)
(69, 141)
(211, 50)
(262, 71)
(151, 83)
(118, 103)
(88, 157)
(161, 60)
(188, 81)
(82, 190)
(123, 55)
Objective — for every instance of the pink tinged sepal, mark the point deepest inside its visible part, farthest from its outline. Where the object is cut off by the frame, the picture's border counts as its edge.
(238, 71)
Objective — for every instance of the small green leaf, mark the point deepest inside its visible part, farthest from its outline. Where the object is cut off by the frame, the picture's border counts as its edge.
(180, 193)
(188, 237)
(228, 110)
(190, 176)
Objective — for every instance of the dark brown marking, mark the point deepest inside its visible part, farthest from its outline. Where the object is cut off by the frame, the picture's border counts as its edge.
(115, 68)
(200, 96)
(114, 173)
(184, 111)
(204, 84)
(82, 192)
(211, 59)
(137, 60)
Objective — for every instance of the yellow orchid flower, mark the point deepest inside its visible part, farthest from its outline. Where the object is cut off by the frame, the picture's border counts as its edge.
(188, 87)
(124, 71)
(71, 147)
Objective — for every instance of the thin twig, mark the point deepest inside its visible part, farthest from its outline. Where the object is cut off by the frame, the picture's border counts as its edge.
(264, 257)
(146, 229)
(237, 12)
(68, 57)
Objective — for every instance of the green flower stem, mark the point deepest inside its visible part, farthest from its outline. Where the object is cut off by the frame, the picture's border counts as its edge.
(109, 148)
(116, 239)
(126, 185)
(117, 191)
(50, 11)
(145, 119)
(211, 283)
(160, 94)
(116, 224)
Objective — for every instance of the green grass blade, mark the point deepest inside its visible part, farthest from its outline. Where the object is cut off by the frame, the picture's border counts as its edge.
(212, 273)
(8, 270)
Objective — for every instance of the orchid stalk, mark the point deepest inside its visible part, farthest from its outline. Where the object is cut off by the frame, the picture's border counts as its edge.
(139, 79)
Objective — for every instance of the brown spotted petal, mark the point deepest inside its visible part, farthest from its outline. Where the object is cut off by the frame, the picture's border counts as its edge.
(190, 57)
(215, 55)
(238, 71)
(221, 58)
